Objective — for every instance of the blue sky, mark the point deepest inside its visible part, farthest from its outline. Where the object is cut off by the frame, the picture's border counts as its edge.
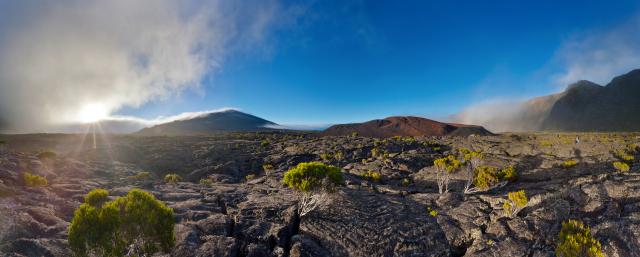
(302, 62)
(358, 60)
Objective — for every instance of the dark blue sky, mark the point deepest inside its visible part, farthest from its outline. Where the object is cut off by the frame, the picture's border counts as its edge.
(346, 61)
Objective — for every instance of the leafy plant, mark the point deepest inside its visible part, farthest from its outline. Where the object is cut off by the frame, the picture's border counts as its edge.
(267, 167)
(172, 178)
(326, 157)
(623, 156)
(47, 155)
(250, 177)
(313, 181)
(575, 240)
(432, 212)
(508, 174)
(568, 164)
(406, 182)
(141, 176)
(444, 168)
(546, 143)
(32, 180)
(338, 156)
(354, 134)
(373, 176)
(517, 201)
(485, 177)
(621, 166)
(133, 225)
(206, 181)
(471, 160)
(264, 143)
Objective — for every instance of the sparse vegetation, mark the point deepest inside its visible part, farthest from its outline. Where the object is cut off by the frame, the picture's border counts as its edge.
(569, 164)
(432, 212)
(250, 177)
(172, 178)
(133, 225)
(546, 143)
(471, 160)
(508, 174)
(313, 181)
(444, 167)
(32, 180)
(206, 181)
(575, 240)
(47, 155)
(623, 156)
(485, 177)
(517, 201)
(267, 167)
(141, 176)
(406, 182)
(373, 176)
(264, 143)
(621, 166)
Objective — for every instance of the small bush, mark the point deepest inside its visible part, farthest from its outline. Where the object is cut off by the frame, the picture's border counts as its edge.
(338, 156)
(313, 180)
(264, 143)
(517, 201)
(508, 174)
(406, 182)
(432, 212)
(354, 134)
(575, 240)
(485, 177)
(633, 147)
(47, 155)
(32, 180)
(250, 177)
(326, 157)
(444, 167)
(141, 176)
(312, 176)
(206, 181)
(568, 164)
(267, 167)
(373, 176)
(375, 152)
(134, 225)
(623, 156)
(172, 178)
(546, 143)
(621, 166)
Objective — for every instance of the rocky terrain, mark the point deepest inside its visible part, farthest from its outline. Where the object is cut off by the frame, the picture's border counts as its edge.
(404, 126)
(233, 202)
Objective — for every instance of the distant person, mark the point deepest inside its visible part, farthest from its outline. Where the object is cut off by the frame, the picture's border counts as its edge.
(577, 140)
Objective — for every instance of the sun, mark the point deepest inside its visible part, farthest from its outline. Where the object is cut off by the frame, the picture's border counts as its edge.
(93, 112)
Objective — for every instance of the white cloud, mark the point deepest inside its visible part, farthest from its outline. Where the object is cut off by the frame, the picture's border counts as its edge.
(57, 57)
(599, 56)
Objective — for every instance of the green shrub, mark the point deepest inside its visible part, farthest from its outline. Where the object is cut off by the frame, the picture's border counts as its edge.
(206, 181)
(444, 167)
(338, 156)
(354, 134)
(313, 176)
(264, 143)
(517, 201)
(250, 177)
(172, 178)
(32, 180)
(568, 164)
(546, 143)
(621, 166)
(575, 240)
(508, 174)
(623, 155)
(633, 147)
(406, 182)
(141, 176)
(326, 157)
(397, 138)
(267, 167)
(313, 180)
(373, 176)
(47, 155)
(485, 177)
(375, 152)
(136, 222)
(96, 197)
(432, 212)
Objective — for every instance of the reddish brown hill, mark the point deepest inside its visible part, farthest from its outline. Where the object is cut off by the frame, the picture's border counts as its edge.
(404, 126)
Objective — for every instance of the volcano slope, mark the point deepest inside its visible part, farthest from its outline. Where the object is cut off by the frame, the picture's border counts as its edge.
(400, 214)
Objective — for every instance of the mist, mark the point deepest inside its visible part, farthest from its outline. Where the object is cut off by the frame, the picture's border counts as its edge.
(59, 57)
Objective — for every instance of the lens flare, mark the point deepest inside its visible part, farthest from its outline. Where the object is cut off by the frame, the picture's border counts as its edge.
(93, 112)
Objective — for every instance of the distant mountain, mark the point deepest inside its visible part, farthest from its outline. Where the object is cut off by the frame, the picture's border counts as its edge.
(586, 106)
(404, 126)
(223, 121)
